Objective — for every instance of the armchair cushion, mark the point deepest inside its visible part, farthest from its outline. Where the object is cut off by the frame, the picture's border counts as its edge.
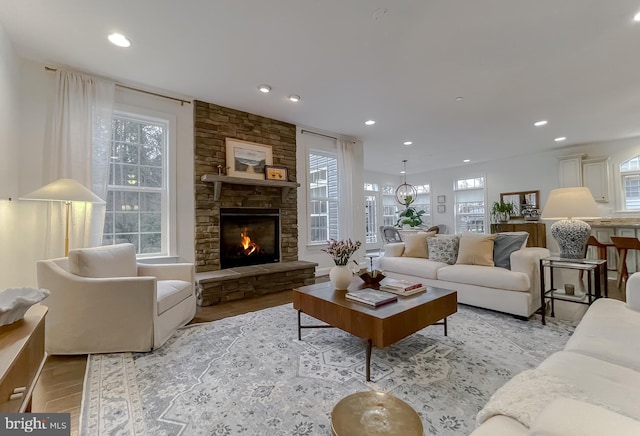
(104, 262)
(172, 292)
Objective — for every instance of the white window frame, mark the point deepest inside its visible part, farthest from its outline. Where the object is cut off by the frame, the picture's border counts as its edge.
(330, 200)
(168, 210)
(472, 184)
(634, 171)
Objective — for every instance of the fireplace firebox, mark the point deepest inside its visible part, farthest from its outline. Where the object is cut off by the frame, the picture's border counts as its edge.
(249, 236)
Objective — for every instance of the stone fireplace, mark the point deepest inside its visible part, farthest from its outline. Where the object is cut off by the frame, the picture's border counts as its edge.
(216, 195)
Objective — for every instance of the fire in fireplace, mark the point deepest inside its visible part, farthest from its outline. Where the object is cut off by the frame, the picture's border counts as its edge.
(249, 236)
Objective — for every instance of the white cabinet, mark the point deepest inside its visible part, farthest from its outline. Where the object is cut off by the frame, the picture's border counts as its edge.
(595, 176)
(571, 171)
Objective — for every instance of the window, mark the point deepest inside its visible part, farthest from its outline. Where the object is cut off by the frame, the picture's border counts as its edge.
(469, 207)
(423, 202)
(137, 191)
(371, 212)
(389, 205)
(323, 197)
(630, 173)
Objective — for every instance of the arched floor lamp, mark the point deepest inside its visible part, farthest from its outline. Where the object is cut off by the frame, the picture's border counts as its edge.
(66, 191)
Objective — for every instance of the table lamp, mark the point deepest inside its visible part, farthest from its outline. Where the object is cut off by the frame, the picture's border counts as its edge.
(570, 206)
(66, 191)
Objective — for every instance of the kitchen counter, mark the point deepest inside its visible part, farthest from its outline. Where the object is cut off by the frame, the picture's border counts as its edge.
(615, 223)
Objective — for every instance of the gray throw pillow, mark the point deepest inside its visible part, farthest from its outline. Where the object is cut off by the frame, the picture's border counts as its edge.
(444, 248)
(504, 245)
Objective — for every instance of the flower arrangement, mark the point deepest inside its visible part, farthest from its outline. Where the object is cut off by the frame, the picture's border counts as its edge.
(341, 251)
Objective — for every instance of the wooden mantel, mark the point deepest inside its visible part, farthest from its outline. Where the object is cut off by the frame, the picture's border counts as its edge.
(218, 180)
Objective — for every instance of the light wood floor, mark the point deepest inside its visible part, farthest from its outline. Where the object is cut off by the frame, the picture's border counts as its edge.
(59, 388)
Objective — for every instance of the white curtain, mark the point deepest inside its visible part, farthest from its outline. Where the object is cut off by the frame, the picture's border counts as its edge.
(345, 183)
(77, 146)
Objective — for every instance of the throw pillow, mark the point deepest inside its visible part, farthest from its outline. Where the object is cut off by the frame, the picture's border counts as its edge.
(505, 244)
(444, 248)
(476, 250)
(416, 245)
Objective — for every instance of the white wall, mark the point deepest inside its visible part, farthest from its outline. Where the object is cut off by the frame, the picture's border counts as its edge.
(538, 171)
(26, 110)
(313, 253)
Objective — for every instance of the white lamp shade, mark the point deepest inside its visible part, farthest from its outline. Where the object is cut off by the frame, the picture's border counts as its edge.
(63, 190)
(570, 203)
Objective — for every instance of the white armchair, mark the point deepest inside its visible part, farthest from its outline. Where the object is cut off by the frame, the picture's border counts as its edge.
(103, 301)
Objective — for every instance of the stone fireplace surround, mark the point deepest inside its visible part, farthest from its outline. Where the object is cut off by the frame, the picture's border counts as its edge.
(213, 124)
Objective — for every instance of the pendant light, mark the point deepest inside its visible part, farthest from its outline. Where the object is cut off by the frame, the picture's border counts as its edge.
(406, 193)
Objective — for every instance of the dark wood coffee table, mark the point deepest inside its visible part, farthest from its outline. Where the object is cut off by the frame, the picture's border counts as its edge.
(381, 326)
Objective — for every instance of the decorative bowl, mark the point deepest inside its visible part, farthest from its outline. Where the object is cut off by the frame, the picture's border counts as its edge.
(15, 302)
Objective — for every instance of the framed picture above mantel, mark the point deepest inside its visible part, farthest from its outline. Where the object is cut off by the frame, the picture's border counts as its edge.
(247, 159)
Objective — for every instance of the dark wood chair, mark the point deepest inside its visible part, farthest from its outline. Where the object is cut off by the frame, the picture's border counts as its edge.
(623, 244)
(601, 250)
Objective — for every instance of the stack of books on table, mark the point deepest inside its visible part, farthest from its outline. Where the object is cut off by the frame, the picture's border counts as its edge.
(401, 287)
(371, 297)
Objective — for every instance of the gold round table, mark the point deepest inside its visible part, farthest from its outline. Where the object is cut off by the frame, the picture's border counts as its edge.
(374, 413)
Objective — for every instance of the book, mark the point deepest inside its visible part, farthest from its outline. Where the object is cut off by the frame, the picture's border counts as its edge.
(399, 284)
(371, 297)
(399, 292)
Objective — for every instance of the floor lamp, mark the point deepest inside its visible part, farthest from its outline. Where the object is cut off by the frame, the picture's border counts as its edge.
(66, 191)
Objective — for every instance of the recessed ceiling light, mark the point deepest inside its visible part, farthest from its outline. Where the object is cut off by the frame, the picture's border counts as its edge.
(264, 88)
(119, 40)
(458, 98)
(369, 122)
(294, 98)
(636, 17)
(560, 139)
(466, 160)
(407, 142)
(403, 172)
(540, 123)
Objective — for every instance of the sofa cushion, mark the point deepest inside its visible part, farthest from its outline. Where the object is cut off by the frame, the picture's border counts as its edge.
(613, 386)
(411, 266)
(568, 417)
(416, 245)
(104, 262)
(505, 244)
(490, 277)
(476, 249)
(171, 292)
(607, 331)
(444, 248)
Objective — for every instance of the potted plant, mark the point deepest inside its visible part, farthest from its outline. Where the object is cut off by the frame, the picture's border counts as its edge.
(410, 216)
(501, 212)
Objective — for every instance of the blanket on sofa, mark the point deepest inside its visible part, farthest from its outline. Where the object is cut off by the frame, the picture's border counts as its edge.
(524, 396)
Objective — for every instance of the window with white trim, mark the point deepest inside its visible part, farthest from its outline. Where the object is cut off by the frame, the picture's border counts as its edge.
(371, 212)
(389, 206)
(469, 208)
(423, 202)
(630, 174)
(137, 206)
(323, 197)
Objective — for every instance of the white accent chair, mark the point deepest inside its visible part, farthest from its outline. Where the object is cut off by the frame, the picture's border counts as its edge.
(103, 301)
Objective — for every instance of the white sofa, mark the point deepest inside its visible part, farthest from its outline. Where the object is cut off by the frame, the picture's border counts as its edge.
(515, 291)
(592, 387)
(103, 301)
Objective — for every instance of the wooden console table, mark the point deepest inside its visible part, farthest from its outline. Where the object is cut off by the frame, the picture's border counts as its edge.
(22, 357)
(537, 231)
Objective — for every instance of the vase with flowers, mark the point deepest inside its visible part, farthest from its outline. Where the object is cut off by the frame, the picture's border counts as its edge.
(341, 251)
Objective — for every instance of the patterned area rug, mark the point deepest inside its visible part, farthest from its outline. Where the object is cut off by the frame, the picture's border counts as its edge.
(250, 375)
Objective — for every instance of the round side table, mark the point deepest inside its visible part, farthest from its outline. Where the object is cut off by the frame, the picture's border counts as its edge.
(374, 413)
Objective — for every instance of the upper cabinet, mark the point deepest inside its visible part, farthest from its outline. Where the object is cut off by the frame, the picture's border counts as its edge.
(571, 170)
(595, 176)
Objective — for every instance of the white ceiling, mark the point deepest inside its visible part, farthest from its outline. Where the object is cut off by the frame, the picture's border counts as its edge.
(575, 63)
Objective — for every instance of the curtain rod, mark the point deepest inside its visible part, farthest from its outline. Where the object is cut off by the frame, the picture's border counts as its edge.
(182, 102)
(303, 131)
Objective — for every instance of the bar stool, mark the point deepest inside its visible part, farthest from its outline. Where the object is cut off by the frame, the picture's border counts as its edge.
(623, 245)
(601, 248)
